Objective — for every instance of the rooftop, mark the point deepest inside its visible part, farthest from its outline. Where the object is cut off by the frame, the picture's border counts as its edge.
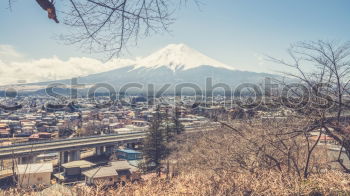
(80, 163)
(109, 170)
(130, 151)
(34, 168)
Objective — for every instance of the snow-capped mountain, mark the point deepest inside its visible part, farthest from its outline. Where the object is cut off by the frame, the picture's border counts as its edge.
(178, 57)
(174, 64)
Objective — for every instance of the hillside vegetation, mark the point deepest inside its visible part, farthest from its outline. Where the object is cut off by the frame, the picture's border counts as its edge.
(227, 162)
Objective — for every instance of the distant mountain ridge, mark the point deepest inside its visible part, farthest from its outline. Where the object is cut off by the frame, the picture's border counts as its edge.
(174, 64)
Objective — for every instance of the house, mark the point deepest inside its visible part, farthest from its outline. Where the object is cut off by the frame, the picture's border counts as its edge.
(73, 170)
(39, 136)
(4, 130)
(122, 130)
(111, 174)
(129, 154)
(116, 125)
(324, 139)
(139, 123)
(34, 174)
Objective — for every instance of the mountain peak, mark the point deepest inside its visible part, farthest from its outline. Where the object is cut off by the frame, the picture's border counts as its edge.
(178, 57)
(180, 46)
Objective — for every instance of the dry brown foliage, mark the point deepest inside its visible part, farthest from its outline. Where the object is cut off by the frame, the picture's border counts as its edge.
(261, 160)
(205, 183)
(283, 147)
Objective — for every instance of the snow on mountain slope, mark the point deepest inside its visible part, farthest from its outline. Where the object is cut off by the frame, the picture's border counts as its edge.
(174, 64)
(178, 57)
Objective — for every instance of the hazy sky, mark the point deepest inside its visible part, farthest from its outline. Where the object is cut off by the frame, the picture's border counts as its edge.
(235, 32)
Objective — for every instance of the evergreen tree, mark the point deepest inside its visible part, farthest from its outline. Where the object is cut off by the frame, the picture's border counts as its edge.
(169, 131)
(178, 127)
(155, 149)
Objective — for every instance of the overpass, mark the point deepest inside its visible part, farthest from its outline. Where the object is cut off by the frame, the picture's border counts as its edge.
(68, 148)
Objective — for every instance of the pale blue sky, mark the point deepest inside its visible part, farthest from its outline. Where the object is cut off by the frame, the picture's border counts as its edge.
(235, 32)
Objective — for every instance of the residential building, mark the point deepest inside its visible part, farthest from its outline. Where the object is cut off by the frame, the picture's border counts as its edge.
(111, 174)
(73, 170)
(34, 174)
(129, 154)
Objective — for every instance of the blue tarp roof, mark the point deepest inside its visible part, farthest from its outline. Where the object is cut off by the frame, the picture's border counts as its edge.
(129, 151)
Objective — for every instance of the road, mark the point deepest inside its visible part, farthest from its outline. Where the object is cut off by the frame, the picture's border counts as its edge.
(29, 148)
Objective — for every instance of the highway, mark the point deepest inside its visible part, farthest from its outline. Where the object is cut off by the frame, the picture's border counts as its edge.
(59, 145)
(29, 148)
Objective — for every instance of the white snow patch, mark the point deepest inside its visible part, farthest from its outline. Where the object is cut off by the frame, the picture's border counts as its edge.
(178, 57)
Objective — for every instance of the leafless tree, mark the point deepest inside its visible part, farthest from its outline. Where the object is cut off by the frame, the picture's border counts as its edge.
(107, 26)
(239, 147)
(323, 67)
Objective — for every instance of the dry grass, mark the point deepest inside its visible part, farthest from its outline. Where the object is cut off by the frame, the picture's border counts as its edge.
(221, 163)
(201, 183)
